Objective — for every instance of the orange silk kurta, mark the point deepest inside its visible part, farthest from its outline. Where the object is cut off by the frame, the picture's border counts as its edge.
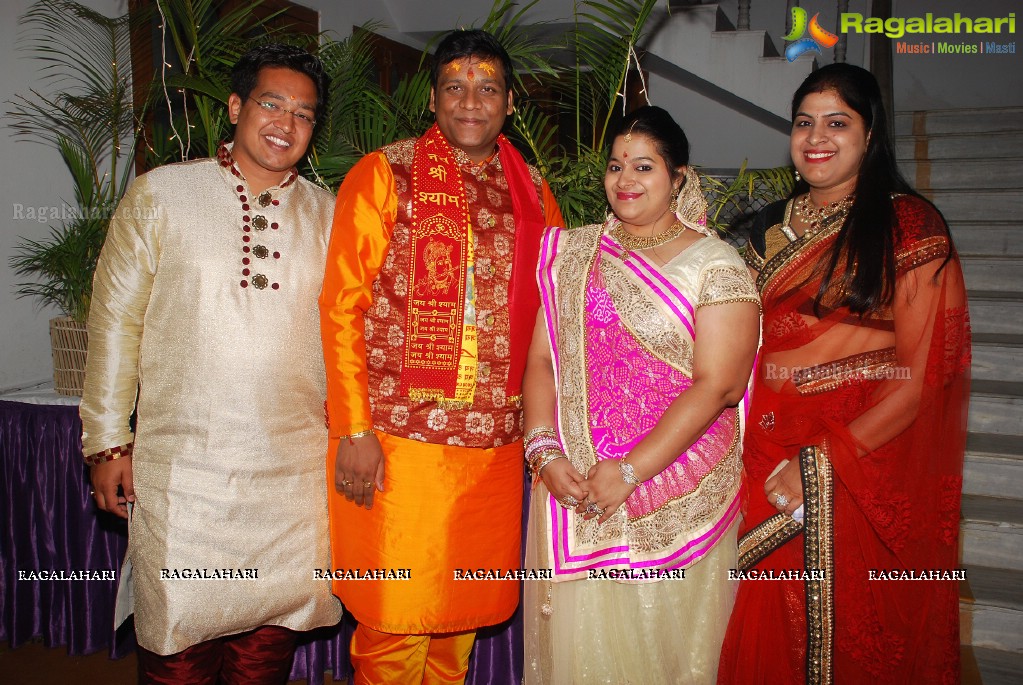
(453, 477)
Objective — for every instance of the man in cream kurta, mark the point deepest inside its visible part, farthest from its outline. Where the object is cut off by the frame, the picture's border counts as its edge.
(205, 302)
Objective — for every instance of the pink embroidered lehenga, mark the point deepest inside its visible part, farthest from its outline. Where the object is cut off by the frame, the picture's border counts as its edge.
(645, 596)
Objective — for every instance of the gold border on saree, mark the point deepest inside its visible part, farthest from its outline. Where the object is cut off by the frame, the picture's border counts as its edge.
(873, 365)
(818, 549)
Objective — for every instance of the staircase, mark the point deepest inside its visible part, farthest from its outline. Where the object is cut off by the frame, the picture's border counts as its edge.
(970, 164)
(702, 40)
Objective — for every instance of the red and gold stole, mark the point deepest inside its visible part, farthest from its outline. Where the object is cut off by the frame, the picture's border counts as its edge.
(440, 344)
(441, 242)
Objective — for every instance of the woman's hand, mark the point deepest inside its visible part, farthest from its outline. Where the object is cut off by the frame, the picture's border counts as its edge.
(564, 482)
(607, 490)
(784, 490)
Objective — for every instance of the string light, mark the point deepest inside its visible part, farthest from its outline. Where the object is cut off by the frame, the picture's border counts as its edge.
(163, 81)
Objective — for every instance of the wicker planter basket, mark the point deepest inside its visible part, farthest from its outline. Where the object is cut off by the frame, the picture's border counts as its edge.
(69, 343)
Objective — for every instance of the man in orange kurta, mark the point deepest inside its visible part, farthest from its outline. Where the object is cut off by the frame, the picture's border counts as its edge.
(427, 310)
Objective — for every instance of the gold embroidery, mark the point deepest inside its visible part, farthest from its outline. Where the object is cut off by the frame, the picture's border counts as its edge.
(921, 252)
(818, 491)
(755, 300)
(722, 285)
(873, 365)
(777, 238)
(755, 545)
(680, 517)
(792, 254)
(752, 259)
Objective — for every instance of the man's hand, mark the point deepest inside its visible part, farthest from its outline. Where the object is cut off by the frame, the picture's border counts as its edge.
(105, 478)
(359, 469)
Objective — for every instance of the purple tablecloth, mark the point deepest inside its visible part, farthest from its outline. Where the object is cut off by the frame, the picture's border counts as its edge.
(49, 523)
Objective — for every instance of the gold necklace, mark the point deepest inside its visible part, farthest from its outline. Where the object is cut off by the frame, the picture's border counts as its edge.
(815, 218)
(634, 243)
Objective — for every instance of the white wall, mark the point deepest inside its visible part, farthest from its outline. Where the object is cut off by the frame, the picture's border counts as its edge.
(719, 138)
(33, 176)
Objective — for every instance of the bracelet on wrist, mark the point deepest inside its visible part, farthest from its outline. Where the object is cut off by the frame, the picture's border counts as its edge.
(541, 444)
(360, 434)
(628, 473)
(110, 454)
(549, 457)
(540, 431)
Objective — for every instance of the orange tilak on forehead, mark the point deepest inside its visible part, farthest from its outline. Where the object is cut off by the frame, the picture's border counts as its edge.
(453, 69)
(487, 67)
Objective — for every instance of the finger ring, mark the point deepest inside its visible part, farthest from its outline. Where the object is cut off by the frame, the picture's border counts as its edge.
(569, 502)
(345, 483)
(780, 500)
(592, 508)
(367, 484)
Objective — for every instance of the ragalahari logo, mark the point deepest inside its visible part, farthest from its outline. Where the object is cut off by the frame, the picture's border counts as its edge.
(818, 38)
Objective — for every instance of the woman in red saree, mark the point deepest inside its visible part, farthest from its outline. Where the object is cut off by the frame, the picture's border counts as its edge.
(855, 439)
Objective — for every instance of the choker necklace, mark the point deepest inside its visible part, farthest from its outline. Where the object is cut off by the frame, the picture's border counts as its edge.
(823, 217)
(634, 243)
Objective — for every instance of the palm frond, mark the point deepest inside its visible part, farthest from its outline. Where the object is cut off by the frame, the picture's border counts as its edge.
(731, 202)
(63, 264)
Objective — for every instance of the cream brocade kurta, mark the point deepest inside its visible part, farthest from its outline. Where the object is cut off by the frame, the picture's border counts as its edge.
(228, 465)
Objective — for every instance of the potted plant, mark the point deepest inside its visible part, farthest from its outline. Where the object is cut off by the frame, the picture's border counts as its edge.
(91, 121)
(91, 125)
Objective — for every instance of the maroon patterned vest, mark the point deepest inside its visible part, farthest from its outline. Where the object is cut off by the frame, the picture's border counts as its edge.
(493, 419)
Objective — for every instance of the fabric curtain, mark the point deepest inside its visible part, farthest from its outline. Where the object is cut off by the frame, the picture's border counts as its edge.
(48, 522)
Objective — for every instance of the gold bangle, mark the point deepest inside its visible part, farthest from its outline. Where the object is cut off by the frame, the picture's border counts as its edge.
(538, 431)
(360, 434)
(547, 458)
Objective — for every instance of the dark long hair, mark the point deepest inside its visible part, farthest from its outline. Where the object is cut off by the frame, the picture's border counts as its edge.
(867, 239)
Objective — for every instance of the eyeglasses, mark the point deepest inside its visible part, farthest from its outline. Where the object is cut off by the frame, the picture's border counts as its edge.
(276, 111)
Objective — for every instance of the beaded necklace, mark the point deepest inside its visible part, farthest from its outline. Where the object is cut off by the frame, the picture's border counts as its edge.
(815, 218)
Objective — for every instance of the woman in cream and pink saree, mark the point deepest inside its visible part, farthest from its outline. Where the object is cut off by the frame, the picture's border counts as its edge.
(641, 357)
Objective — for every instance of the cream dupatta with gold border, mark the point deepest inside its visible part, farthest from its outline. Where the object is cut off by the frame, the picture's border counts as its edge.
(623, 332)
